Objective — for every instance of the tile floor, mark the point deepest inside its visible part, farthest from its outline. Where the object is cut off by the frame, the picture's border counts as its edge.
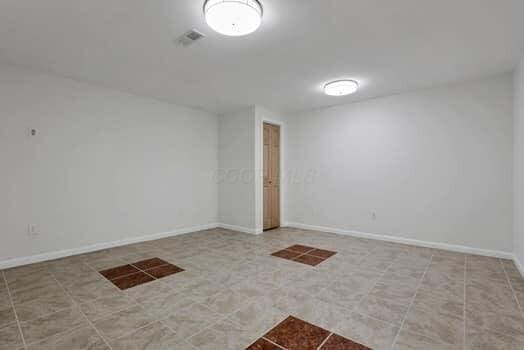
(232, 292)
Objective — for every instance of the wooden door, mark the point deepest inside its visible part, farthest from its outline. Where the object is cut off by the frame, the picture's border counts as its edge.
(271, 176)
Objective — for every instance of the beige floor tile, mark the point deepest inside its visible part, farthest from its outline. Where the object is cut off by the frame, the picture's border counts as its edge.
(162, 305)
(517, 283)
(383, 309)
(89, 291)
(226, 302)
(7, 316)
(43, 305)
(4, 299)
(395, 291)
(368, 331)
(191, 320)
(84, 338)
(323, 314)
(223, 335)
(497, 296)
(31, 281)
(152, 337)
(484, 339)
(53, 324)
(10, 338)
(27, 295)
(412, 341)
(349, 291)
(123, 322)
(259, 316)
(481, 316)
(441, 320)
(104, 306)
(441, 286)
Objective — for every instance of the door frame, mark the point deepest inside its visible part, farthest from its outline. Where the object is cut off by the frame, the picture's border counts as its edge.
(259, 164)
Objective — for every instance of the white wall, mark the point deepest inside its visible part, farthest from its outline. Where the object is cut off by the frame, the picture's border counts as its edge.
(236, 174)
(435, 165)
(104, 166)
(519, 165)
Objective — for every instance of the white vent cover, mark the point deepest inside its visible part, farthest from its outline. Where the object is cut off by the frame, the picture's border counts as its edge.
(190, 37)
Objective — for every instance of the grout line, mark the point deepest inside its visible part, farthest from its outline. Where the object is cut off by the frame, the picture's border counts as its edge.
(272, 342)
(355, 307)
(82, 312)
(14, 310)
(412, 302)
(46, 314)
(200, 330)
(325, 341)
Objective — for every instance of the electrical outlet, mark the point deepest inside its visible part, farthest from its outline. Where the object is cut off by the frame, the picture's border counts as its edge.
(31, 230)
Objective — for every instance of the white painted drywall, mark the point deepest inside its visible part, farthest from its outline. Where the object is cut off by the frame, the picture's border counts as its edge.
(518, 175)
(236, 173)
(435, 165)
(103, 166)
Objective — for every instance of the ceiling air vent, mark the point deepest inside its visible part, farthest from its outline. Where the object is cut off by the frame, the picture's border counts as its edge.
(189, 37)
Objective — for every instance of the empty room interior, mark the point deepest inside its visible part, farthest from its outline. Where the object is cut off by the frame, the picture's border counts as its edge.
(261, 175)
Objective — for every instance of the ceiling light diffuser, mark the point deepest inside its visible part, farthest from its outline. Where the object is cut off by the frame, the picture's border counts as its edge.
(233, 17)
(341, 87)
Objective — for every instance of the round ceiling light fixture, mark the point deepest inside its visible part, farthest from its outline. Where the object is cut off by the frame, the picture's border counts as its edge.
(233, 17)
(341, 87)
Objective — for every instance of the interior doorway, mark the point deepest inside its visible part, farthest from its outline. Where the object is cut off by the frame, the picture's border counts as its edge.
(271, 193)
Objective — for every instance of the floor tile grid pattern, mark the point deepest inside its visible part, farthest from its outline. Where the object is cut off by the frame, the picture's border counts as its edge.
(116, 312)
(291, 240)
(411, 303)
(77, 306)
(14, 310)
(83, 314)
(162, 320)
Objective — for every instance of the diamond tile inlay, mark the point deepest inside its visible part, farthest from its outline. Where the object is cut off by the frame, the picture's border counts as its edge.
(296, 334)
(135, 274)
(304, 254)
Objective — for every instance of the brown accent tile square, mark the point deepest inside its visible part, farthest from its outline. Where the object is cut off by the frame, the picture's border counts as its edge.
(300, 248)
(286, 254)
(262, 344)
(118, 271)
(336, 342)
(164, 270)
(295, 334)
(133, 280)
(150, 263)
(321, 253)
(309, 259)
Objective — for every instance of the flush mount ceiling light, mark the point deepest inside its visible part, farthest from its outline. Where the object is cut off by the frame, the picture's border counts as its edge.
(341, 87)
(233, 17)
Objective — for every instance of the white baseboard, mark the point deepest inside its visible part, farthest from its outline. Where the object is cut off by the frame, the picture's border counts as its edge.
(100, 246)
(252, 231)
(427, 244)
